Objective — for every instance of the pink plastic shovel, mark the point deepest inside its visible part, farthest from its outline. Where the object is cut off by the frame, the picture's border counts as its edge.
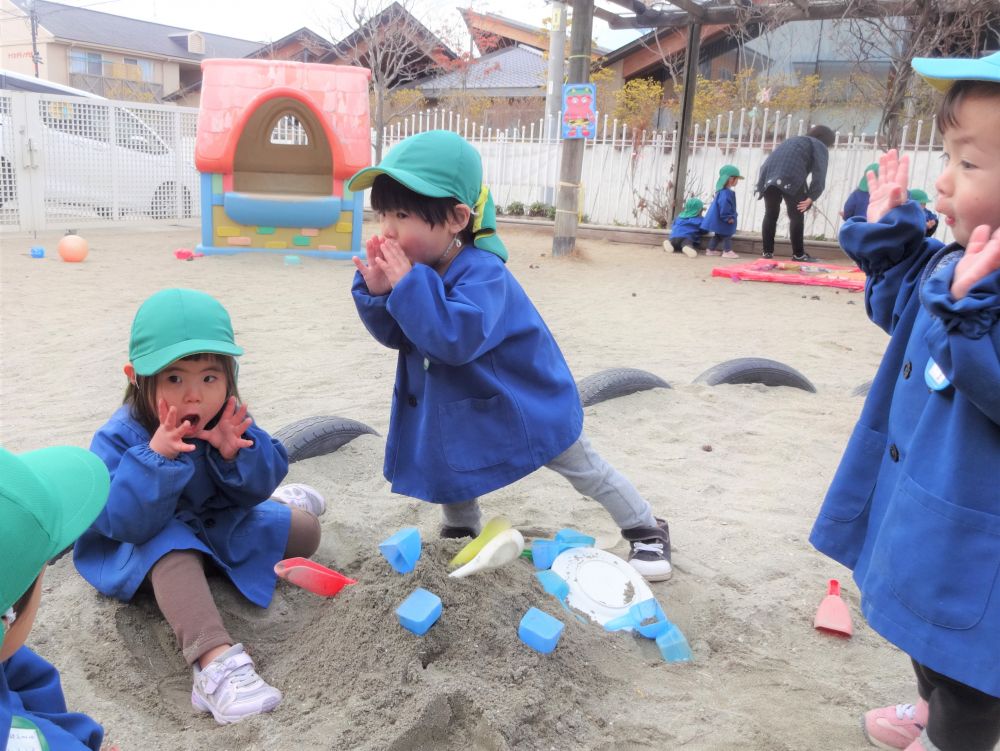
(832, 616)
(311, 576)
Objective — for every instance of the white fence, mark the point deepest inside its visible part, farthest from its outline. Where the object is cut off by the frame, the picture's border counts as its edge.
(67, 162)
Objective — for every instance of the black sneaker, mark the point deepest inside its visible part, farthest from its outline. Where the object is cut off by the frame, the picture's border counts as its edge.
(805, 258)
(454, 533)
(650, 551)
(767, 254)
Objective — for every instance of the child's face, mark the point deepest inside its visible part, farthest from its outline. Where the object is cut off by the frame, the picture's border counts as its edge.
(420, 241)
(196, 388)
(968, 187)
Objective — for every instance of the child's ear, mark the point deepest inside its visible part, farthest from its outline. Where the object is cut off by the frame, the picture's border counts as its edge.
(129, 373)
(460, 216)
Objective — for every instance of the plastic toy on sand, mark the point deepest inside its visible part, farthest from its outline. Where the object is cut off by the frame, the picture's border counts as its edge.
(540, 631)
(72, 248)
(501, 550)
(402, 550)
(832, 616)
(311, 576)
(418, 612)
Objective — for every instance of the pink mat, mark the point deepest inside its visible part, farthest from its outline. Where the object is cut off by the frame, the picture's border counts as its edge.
(792, 272)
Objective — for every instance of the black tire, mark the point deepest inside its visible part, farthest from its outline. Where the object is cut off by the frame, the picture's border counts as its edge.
(755, 370)
(315, 436)
(608, 384)
(862, 389)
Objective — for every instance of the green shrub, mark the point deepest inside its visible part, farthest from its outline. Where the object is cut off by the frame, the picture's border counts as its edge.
(536, 209)
(515, 208)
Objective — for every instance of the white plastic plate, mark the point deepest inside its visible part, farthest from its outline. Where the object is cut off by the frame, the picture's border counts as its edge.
(601, 585)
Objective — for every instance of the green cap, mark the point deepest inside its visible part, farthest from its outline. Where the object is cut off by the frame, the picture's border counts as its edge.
(918, 195)
(48, 498)
(441, 164)
(175, 323)
(863, 185)
(727, 171)
(692, 207)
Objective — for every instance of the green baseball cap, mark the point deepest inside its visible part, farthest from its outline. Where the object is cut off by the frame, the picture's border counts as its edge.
(441, 164)
(918, 195)
(48, 498)
(863, 184)
(692, 207)
(175, 323)
(725, 172)
(942, 72)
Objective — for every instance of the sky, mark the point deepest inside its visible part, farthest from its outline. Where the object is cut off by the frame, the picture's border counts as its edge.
(267, 20)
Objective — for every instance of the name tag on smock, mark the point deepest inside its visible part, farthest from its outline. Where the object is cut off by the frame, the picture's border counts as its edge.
(25, 736)
(935, 377)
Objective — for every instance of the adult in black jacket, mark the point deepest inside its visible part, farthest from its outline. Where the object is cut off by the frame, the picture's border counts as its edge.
(783, 177)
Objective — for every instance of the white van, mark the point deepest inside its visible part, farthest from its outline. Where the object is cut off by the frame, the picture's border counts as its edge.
(92, 155)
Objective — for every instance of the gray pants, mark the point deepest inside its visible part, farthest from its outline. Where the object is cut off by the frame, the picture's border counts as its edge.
(591, 476)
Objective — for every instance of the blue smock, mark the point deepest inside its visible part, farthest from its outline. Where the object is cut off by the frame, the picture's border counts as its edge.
(198, 501)
(722, 209)
(30, 689)
(913, 508)
(483, 396)
(856, 205)
(687, 227)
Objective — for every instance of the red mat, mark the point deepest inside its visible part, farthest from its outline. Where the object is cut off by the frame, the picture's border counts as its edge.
(792, 272)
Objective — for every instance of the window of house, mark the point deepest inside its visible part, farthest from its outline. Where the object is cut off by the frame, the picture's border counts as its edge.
(89, 63)
(145, 67)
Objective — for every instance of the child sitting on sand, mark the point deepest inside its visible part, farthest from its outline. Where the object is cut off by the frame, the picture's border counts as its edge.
(47, 498)
(686, 231)
(913, 508)
(191, 475)
(483, 396)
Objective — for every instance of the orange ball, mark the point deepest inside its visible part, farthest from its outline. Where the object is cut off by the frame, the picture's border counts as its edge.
(72, 248)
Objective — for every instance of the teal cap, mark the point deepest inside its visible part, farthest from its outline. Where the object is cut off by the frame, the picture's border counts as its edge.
(727, 171)
(48, 498)
(918, 195)
(175, 323)
(941, 72)
(863, 185)
(692, 207)
(441, 164)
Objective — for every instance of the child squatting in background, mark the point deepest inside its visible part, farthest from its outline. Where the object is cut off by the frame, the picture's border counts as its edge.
(483, 396)
(191, 475)
(721, 216)
(921, 197)
(856, 204)
(686, 231)
(47, 498)
(913, 508)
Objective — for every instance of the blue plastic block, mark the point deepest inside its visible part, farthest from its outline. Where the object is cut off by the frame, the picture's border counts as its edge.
(540, 631)
(571, 538)
(673, 646)
(554, 585)
(419, 611)
(402, 550)
(543, 552)
(646, 617)
(37, 252)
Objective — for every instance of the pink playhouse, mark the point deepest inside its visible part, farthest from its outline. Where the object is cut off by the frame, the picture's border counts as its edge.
(276, 142)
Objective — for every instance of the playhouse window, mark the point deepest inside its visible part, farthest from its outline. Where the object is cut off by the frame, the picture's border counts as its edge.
(288, 131)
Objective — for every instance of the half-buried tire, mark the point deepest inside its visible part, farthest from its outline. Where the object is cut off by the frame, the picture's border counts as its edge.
(755, 370)
(315, 436)
(862, 389)
(614, 382)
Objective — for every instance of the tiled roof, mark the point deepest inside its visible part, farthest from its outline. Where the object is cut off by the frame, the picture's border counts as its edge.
(143, 37)
(507, 68)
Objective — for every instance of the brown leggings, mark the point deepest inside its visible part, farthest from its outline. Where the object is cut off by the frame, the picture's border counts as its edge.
(182, 592)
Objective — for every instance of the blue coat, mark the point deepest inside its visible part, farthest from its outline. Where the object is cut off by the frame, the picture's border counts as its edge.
(688, 226)
(722, 209)
(483, 396)
(198, 501)
(30, 689)
(856, 205)
(913, 508)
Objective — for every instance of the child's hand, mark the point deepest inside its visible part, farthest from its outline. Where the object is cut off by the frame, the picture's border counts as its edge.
(227, 435)
(168, 440)
(393, 262)
(888, 189)
(982, 257)
(374, 276)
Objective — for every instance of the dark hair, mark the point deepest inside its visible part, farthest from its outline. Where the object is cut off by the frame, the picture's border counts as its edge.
(141, 395)
(947, 115)
(390, 195)
(822, 134)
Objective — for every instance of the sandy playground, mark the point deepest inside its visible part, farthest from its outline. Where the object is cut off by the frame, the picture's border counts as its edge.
(739, 471)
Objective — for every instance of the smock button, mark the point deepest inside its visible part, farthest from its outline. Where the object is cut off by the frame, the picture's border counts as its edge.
(412, 400)
(907, 369)
(210, 522)
(894, 453)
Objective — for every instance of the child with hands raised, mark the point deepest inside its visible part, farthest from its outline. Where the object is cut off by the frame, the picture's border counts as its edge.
(194, 482)
(913, 509)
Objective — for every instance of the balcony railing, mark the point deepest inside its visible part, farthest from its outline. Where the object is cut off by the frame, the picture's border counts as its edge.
(118, 88)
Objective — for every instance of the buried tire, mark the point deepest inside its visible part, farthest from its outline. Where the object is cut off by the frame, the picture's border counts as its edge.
(315, 436)
(862, 389)
(614, 382)
(755, 370)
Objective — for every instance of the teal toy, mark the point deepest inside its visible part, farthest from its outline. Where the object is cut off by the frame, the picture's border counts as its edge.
(540, 631)
(418, 612)
(402, 550)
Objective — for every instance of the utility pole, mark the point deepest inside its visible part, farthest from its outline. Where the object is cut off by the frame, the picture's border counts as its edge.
(557, 50)
(687, 107)
(33, 18)
(568, 195)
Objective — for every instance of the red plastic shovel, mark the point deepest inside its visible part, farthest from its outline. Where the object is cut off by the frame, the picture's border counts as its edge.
(832, 616)
(311, 576)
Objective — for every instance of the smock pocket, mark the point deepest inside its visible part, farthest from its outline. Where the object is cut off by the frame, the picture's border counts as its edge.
(476, 433)
(942, 560)
(851, 489)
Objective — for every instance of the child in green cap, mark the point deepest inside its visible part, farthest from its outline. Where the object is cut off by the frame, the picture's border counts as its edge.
(47, 498)
(191, 475)
(686, 231)
(483, 396)
(856, 204)
(930, 218)
(722, 216)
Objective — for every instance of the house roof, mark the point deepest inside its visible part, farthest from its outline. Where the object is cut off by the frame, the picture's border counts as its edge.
(305, 38)
(509, 71)
(393, 15)
(86, 26)
(506, 32)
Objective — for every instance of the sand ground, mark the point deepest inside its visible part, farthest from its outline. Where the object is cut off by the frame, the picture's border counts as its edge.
(746, 583)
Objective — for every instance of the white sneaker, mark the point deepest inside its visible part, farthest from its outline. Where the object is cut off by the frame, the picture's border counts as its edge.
(689, 251)
(230, 688)
(730, 254)
(301, 496)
